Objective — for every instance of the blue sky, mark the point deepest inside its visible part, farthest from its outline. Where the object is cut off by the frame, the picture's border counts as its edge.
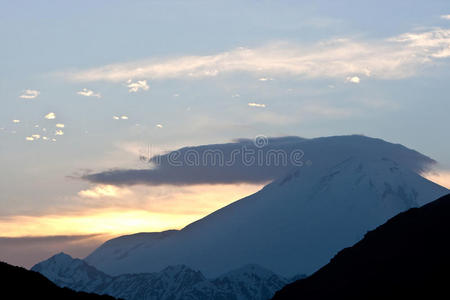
(123, 78)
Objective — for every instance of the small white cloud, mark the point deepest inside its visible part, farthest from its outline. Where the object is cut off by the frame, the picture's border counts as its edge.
(265, 79)
(104, 190)
(16, 121)
(253, 104)
(44, 129)
(176, 95)
(45, 138)
(134, 87)
(60, 125)
(36, 136)
(50, 116)
(124, 117)
(59, 132)
(53, 140)
(159, 125)
(235, 96)
(29, 94)
(445, 17)
(29, 138)
(116, 118)
(353, 79)
(88, 93)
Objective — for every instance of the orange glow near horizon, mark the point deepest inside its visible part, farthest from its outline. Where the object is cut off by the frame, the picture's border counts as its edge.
(119, 211)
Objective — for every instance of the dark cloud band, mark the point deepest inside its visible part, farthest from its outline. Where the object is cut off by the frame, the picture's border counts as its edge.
(257, 161)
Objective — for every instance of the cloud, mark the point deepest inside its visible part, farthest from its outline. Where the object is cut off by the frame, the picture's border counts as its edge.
(353, 79)
(445, 17)
(88, 93)
(59, 132)
(124, 117)
(16, 121)
(29, 94)
(441, 177)
(29, 138)
(253, 104)
(102, 190)
(159, 126)
(36, 136)
(60, 125)
(134, 87)
(256, 161)
(396, 57)
(50, 116)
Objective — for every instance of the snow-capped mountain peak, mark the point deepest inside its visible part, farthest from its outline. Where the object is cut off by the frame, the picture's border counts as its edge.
(178, 282)
(347, 186)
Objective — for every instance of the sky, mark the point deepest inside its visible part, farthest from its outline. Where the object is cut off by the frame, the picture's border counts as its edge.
(92, 86)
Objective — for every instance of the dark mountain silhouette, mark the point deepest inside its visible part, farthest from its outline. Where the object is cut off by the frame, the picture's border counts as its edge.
(19, 283)
(408, 257)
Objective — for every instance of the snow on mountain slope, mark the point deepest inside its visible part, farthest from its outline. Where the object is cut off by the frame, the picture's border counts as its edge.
(118, 248)
(250, 282)
(65, 271)
(298, 222)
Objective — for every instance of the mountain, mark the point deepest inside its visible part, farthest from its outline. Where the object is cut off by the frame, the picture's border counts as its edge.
(347, 186)
(19, 283)
(250, 282)
(405, 258)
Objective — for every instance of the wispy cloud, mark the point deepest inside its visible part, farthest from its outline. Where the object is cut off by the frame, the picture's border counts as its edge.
(16, 121)
(60, 125)
(59, 132)
(88, 93)
(395, 57)
(50, 116)
(253, 104)
(104, 190)
(29, 94)
(441, 177)
(134, 87)
(445, 17)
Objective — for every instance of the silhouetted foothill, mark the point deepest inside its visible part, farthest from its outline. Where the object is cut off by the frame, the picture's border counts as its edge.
(19, 283)
(408, 257)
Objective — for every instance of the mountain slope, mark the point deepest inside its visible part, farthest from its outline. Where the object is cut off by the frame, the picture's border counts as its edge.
(19, 283)
(298, 222)
(405, 258)
(250, 282)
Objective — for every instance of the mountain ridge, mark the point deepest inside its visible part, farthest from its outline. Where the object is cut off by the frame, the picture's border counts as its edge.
(250, 282)
(406, 258)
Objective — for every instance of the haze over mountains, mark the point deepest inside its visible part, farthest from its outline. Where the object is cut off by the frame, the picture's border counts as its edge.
(295, 224)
